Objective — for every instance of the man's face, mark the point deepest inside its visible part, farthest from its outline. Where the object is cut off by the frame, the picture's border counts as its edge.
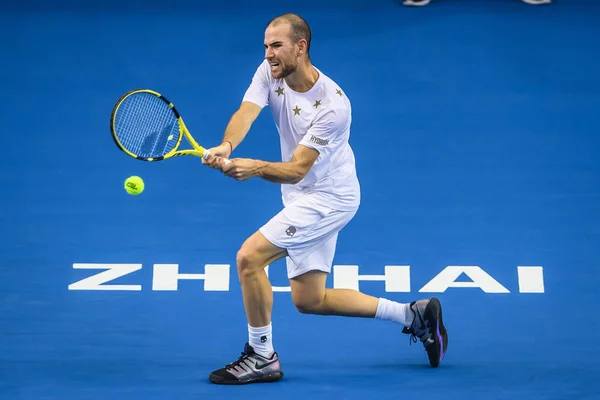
(280, 51)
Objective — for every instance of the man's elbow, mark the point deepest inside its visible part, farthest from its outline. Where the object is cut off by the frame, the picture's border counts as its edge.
(298, 174)
(296, 178)
(301, 163)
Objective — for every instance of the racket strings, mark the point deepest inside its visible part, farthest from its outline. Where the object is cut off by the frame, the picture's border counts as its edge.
(146, 126)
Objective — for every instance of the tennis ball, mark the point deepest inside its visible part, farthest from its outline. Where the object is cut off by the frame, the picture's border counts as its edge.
(134, 185)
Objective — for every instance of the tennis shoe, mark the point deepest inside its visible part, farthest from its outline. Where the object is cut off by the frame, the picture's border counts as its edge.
(250, 367)
(428, 326)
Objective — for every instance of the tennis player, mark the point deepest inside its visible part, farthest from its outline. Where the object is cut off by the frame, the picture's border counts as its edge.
(321, 195)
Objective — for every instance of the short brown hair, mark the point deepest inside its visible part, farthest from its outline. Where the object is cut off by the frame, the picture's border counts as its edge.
(299, 27)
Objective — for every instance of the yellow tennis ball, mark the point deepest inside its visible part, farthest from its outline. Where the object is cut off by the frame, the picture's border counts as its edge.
(134, 185)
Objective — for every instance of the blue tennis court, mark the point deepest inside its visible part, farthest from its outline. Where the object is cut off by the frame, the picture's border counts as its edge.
(476, 133)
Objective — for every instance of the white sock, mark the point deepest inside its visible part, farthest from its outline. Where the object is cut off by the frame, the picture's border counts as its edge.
(396, 312)
(261, 340)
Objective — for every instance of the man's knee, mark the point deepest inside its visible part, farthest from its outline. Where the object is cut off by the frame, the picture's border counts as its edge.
(255, 254)
(309, 299)
(309, 304)
(247, 261)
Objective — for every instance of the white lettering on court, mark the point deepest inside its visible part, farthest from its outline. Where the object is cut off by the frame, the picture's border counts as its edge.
(97, 281)
(531, 279)
(396, 277)
(167, 277)
(447, 279)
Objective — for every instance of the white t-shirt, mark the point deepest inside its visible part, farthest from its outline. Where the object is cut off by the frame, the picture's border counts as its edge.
(319, 118)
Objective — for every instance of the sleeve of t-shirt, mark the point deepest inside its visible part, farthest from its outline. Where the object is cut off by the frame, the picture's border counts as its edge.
(258, 91)
(327, 132)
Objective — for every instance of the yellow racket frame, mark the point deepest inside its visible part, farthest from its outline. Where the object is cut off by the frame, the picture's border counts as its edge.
(197, 150)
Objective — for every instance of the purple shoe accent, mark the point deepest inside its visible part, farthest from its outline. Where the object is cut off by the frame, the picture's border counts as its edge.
(440, 340)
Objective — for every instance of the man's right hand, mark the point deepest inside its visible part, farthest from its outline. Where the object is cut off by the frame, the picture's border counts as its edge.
(217, 154)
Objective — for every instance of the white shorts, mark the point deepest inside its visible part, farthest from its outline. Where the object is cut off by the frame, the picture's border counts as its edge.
(308, 229)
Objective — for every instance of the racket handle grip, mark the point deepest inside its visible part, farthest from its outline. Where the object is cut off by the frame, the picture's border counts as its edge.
(207, 153)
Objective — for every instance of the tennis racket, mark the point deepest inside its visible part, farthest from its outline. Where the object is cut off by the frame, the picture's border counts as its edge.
(148, 127)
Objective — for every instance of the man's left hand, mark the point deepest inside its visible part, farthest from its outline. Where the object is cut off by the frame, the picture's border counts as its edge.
(241, 169)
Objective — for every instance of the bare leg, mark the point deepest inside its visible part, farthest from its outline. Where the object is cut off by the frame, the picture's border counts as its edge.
(255, 254)
(422, 318)
(310, 296)
(260, 362)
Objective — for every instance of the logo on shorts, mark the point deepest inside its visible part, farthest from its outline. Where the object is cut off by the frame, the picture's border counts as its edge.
(290, 231)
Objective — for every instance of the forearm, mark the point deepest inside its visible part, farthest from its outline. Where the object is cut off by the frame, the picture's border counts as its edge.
(236, 129)
(279, 172)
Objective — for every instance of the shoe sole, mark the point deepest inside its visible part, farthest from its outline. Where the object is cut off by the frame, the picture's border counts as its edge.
(266, 378)
(433, 315)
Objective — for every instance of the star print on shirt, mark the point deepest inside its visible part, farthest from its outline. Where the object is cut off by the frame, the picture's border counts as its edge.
(297, 111)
